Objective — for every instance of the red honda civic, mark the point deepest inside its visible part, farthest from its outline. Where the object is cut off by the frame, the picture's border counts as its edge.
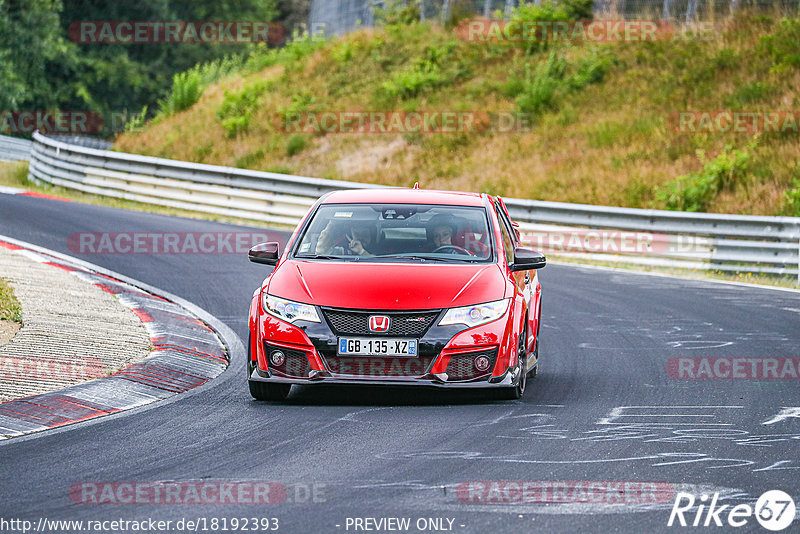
(397, 287)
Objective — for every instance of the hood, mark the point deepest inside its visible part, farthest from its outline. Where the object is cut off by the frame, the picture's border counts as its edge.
(384, 286)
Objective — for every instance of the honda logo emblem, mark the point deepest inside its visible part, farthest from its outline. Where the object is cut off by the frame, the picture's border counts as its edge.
(379, 323)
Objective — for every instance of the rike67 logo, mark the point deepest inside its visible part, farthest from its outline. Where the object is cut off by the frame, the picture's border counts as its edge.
(774, 511)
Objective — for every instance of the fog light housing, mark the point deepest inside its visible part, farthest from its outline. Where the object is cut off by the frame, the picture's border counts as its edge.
(277, 358)
(482, 363)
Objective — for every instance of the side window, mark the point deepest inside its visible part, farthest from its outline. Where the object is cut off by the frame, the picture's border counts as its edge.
(508, 242)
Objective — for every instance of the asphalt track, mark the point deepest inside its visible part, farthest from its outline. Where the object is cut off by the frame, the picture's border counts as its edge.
(604, 409)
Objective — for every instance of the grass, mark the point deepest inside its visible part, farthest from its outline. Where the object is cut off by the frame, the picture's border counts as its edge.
(10, 309)
(600, 115)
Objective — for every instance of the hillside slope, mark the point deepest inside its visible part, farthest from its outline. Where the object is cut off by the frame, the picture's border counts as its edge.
(603, 116)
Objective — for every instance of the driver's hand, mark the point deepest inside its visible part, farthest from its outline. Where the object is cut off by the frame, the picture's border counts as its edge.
(357, 247)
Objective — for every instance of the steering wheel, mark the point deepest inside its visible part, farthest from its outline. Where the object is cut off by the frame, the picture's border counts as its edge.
(455, 248)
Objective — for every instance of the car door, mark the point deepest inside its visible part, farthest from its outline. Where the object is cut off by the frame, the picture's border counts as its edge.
(527, 281)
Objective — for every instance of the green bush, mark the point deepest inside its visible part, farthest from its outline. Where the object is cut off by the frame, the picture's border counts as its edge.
(249, 159)
(548, 10)
(513, 86)
(793, 198)
(726, 58)
(748, 94)
(590, 68)
(237, 125)
(783, 47)
(397, 13)
(203, 151)
(186, 90)
(137, 122)
(343, 51)
(300, 103)
(695, 191)
(188, 86)
(539, 89)
(237, 106)
(410, 82)
(425, 72)
(578, 9)
(296, 144)
(10, 309)
(301, 46)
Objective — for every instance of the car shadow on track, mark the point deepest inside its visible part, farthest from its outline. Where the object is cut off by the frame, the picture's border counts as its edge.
(400, 396)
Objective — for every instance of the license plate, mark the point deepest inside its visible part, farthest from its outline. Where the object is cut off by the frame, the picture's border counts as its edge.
(372, 346)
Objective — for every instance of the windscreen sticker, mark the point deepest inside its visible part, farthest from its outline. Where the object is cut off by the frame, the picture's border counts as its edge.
(343, 214)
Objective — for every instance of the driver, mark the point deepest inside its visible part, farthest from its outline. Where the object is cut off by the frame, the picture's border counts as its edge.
(355, 242)
(440, 230)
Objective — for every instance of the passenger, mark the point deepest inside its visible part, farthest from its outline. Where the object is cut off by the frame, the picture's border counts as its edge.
(354, 242)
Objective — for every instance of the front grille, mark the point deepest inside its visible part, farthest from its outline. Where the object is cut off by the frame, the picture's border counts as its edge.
(295, 366)
(403, 324)
(462, 366)
(378, 366)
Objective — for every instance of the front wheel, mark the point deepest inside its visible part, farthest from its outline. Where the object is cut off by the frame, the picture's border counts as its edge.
(516, 392)
(264, 391)
(533, 372)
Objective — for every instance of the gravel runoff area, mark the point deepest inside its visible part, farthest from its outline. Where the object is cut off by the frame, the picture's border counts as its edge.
(72, 331)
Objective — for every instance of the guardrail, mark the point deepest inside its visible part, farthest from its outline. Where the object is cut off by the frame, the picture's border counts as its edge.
(257, 195)
(737, 243)
(14, 148)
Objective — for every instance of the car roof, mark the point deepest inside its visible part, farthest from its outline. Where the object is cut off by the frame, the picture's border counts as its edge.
(397, 195)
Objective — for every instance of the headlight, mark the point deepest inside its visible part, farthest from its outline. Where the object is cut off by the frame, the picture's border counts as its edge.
(475, 315)
(288, 310)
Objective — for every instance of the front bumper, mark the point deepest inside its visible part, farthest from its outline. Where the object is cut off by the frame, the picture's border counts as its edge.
(508, 379)
(448, 356)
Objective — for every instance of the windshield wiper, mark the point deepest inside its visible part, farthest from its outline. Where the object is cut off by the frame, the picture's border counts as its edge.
(326, 257)
(422, 258)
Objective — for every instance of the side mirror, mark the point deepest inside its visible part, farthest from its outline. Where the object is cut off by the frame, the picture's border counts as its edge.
(526, 258)
(267, 253)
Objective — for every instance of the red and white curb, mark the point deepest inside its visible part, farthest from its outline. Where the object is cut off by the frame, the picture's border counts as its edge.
(6, 190)
(186, 353)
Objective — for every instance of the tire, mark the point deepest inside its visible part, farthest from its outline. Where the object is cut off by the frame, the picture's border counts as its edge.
(264, 391)
(533, 372)
(516, 392)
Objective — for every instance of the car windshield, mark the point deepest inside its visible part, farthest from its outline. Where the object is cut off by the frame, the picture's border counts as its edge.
(397, 233)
